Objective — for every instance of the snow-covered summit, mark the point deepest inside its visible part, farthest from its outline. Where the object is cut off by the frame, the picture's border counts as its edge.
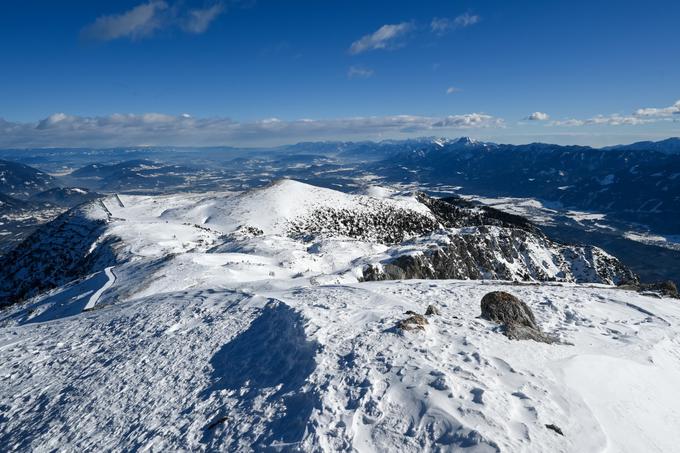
(274, 208)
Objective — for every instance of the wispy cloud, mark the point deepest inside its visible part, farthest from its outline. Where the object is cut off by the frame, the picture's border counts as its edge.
(198, 20)
(161, 129)
(442, 25)
(386, 37)
(538, 116)
(451, 90)
(640, 116)
(146, 19)
(359, 72)
(139, 22)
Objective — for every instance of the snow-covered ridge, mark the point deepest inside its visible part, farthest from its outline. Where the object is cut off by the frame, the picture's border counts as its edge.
(301, 230)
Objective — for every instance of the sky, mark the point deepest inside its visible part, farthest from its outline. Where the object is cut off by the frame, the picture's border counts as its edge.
(267, 72)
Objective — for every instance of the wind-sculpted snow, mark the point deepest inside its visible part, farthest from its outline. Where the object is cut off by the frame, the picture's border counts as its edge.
(264, 370)
(321, 368)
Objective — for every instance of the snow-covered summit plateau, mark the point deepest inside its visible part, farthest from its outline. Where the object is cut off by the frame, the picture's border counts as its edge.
(267, 320)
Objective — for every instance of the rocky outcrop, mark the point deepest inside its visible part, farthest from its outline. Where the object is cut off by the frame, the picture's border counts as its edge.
(667, 288)
(516, 318)
(455, 212)
(415, 321)
(498, 253)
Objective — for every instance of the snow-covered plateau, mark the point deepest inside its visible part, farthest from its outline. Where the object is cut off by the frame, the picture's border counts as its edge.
(267, 320)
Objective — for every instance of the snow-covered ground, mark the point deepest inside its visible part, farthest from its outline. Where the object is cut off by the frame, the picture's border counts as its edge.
(215, 330)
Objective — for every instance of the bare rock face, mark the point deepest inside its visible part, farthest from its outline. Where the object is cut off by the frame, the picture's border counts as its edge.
(515, 316)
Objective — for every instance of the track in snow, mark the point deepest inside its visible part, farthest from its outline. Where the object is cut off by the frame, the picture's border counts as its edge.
(111, 279)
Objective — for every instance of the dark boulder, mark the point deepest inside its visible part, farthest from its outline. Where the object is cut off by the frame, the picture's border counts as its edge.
(504, 308)
(517, 319)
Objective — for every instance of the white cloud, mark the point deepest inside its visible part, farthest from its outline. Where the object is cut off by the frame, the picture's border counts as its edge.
(640, 116)
(605, 120)
(384, 38)
(144, 20)
(538, 116)
(161, 129)
(139, 22)
(198, 20)
(359, 72)
(442, 25)
(659, 112)
(451, 90)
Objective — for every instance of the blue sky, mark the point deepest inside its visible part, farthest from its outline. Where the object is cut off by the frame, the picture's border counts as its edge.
(253, 72)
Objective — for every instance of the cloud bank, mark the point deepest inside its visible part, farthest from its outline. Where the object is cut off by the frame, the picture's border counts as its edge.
(640, 116)
(62, 130)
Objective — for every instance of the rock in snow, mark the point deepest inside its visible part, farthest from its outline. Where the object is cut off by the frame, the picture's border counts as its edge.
(515, 316)
(214, 338)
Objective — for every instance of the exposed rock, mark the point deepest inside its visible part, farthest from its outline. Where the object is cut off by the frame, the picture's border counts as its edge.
(414, 322)
(456, 212)
(666, 288)
(499, 253)
(515, 316)
(431, 310)
(555, 428)
(504, 308)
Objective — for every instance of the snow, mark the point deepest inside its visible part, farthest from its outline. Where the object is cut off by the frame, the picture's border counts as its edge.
(580, 216)
(627, 402)
(668, 241)
(265, 342)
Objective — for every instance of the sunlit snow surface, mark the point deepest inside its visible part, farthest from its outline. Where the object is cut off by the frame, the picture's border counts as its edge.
(266, 345)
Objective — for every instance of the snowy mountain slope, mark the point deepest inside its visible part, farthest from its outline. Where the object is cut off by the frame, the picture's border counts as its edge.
(287, 206)
(239, 322)
(21, 181)
(296, 228)
(321, 368)
(55, 254)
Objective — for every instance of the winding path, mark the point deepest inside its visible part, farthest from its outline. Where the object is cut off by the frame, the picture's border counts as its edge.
(94, 298)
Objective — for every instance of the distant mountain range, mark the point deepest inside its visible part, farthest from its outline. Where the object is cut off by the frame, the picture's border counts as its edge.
(637, 183)
(670, 146)
(632, 183)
